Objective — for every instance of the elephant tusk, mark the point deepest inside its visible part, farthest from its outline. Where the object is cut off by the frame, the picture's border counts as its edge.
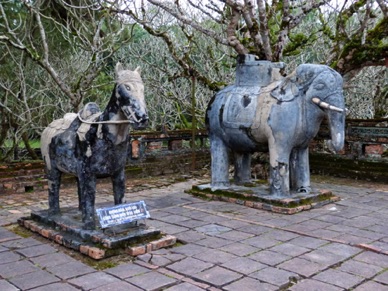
(322, 104)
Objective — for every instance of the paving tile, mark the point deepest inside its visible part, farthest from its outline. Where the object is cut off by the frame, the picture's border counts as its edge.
(249, 284)
(55, 286)
(239, 249)
(121, 285)
(7, 257)
(70, 270)
(93, 280)
(261, 241)
(373, 258)
(33, 280)
(281, 235)
(301, 267)
(352, 239)
(37, 250)
(21, 243)
(215, 256)
(52, 259)
(172, 218)
(338, 278)
(243, 265)
(191, 223)
(235, 224)
(189, 266)
(289, 249)
(13, 269)
(360, 268)
(269, 257)
(323, 258)
(217, 276)
(274, 276)
(255, 229)
(214, 242)
(189, 249)
(235, 235)
(6, 286)
(184, 286)
(382, 278)
(308, 242)
(127, 270)
(212, 229)
(371, 286)
(324, 233)
(190, 236)
(174, 229)
(152, 281)
(213, 218)
(330, 218)
(340, 249)
(309, 285)
(6, 235)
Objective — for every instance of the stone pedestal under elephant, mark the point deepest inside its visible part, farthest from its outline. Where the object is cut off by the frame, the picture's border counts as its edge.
(265, 111)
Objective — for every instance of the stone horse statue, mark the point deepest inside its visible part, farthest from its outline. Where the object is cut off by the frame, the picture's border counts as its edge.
(94, 143)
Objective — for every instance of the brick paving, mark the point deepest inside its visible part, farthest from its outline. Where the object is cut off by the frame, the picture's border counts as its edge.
(224, 246)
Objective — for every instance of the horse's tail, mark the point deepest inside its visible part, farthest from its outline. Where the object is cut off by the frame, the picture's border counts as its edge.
(54, 128)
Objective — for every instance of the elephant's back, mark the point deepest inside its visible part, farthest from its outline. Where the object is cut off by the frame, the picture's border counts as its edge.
(260, 129)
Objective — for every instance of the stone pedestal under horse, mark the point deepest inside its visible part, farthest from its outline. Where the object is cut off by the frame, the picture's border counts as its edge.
(94, 144)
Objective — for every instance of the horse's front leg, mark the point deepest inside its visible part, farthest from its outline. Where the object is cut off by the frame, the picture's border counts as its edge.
(87, 182)
(118, 183)
(54, 182)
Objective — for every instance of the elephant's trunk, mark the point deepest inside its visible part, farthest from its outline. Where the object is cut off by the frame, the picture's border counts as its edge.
(337, 127)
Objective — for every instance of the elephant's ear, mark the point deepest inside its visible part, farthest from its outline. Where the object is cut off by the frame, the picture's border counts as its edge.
(287, 90)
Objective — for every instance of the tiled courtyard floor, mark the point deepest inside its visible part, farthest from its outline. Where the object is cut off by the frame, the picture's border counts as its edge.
(342, 246)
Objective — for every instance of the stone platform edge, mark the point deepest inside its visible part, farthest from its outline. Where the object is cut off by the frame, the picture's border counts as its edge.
(282, 206)
(94, 251)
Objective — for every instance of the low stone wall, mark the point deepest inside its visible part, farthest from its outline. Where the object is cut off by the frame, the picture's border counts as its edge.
(365, 154)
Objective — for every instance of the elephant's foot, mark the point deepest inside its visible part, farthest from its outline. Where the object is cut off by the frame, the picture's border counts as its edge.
(219, 185)
(242, 181)
(304, 189)
(279, 181)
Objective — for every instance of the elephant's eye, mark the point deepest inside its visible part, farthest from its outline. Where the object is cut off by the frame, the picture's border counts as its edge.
(319, 86)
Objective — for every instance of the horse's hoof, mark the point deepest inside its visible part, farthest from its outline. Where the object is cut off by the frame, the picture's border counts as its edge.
(53, 212)
(89, 225)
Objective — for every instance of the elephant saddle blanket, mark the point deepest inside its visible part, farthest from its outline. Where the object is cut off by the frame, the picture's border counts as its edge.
(240, 105)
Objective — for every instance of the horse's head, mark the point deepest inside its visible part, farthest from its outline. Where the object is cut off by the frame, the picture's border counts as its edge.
(130, 96)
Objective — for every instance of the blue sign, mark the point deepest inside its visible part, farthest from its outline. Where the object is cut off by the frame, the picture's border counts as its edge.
(123, 213)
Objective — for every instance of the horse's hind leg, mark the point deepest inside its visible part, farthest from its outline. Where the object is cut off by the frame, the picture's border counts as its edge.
(54, 182)
(118, 182)
(88, 184)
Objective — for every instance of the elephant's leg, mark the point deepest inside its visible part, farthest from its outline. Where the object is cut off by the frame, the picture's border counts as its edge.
(88, 182)
(54, 183)
(118, 182)
(300, 170)
(219, 162)
(242, 168)
(279, 170)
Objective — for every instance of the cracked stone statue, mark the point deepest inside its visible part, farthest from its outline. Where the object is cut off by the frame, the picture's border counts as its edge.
(94, 144)
(264, 111)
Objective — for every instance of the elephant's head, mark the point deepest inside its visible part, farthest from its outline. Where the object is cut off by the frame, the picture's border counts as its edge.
(321, 88)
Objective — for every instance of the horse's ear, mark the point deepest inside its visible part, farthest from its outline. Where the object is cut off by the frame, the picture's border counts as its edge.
(138, 69)
(118, 68)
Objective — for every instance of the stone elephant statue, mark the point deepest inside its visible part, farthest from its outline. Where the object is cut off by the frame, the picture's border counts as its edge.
(265, 111)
